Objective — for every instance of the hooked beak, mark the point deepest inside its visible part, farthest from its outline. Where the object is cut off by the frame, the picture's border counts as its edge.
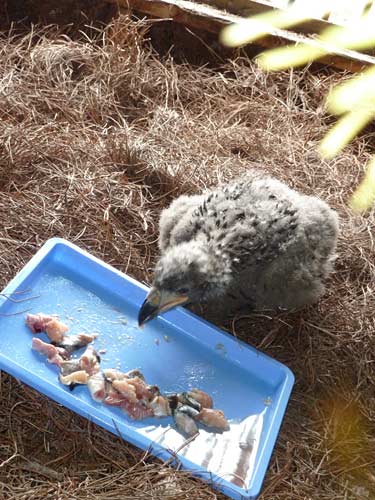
(157, 302)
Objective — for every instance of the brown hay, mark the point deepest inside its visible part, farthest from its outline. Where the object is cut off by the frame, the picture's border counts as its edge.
(96, 138)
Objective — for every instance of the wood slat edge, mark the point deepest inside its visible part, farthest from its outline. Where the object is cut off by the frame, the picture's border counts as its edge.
(213, 20)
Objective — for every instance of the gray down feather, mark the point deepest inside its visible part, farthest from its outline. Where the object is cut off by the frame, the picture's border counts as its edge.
(251, 244)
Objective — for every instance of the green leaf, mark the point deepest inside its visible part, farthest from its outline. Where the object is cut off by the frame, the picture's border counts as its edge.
(357, 92)
(364, 196)
(255, 27)
(287, 57)
(343, 132)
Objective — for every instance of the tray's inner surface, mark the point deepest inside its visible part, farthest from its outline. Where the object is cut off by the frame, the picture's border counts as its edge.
(167, 357)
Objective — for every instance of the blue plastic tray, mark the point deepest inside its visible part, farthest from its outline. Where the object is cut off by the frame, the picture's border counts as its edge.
(177, 351)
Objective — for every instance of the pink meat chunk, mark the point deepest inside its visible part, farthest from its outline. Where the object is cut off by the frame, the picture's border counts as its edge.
(137, 411)
(90, 361)
(54, 328)
(142, 390)
(37, 322)
(55, 355)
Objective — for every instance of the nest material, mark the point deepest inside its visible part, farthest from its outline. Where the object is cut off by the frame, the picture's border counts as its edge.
(96, 137)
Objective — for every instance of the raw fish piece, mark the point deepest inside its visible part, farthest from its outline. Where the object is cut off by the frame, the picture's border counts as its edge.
(76, 378)
(37, 322)
(185, 399)
(97, 387)
(55, 355)
(114, 398)
(126, 390)
(173, 401)
(72, 343)
(137, 411)
(112, 374)
(135, 373)
(153, 390)
(143, 391)
(213, 419)
(184, 420)
(70, 366)
(90, 361)
(160, 406)
(55, 330)
(201, 397)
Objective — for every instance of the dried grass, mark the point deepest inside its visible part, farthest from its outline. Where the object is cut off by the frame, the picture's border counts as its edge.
(96, 138)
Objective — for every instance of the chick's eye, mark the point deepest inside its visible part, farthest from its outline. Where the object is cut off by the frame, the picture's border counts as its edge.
(183, 290)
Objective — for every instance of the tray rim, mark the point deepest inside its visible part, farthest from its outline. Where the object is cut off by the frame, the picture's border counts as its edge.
(183, 316)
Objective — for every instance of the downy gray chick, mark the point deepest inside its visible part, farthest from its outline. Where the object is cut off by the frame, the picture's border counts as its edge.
(253, 244)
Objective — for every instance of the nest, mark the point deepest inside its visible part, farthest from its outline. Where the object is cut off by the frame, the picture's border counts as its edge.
(97, 136)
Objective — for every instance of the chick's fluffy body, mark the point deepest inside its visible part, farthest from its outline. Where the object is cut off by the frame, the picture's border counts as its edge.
(253, 243)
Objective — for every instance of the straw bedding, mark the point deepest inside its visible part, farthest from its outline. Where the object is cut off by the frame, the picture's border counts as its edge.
(96, 137)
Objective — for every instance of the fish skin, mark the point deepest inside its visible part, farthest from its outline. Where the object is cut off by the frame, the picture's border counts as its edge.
(185, 423)
(73, 343)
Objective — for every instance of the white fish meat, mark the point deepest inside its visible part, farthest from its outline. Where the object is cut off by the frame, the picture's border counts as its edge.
(97, 387)
(79, 377)
(72, 343)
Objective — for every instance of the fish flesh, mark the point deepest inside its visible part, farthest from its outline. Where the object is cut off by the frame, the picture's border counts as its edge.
(90, 361)
(55, 355)
(142, 390)
(112, 374)
(70, 366)
(37, 322)
(132, 384)
(114, 398)
(137, 411)
(184, 420)
(72, 343)
(201, 397)
(123, 395)
(54, 328)
(185, 399)
(126, 389)
(213, 419)
(79, 377)
(173, 401)
(160, 406)
(97, 387)
(135, 373)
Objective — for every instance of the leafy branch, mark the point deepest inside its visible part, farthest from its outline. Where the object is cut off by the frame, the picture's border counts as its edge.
(353, 101)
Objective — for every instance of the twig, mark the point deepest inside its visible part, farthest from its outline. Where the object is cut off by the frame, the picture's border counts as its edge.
(174, 453)
(15, 454)
(41, 469)
(18, 300)
(15, 313)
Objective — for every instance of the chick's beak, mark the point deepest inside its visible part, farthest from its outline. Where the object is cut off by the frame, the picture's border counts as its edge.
(157, 302)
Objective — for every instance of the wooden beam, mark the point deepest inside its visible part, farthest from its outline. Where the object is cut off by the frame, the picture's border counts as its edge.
(253, 7)
(204, 17)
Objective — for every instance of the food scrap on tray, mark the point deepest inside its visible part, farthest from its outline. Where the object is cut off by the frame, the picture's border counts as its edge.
(126, 390)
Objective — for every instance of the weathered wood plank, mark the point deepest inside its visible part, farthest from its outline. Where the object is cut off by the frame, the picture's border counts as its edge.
(213, 20)
(247, 8)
